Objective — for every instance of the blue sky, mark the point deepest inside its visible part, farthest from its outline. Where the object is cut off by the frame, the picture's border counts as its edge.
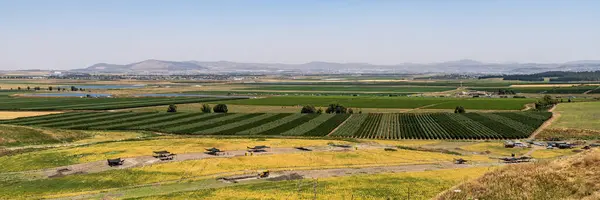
(64, 34)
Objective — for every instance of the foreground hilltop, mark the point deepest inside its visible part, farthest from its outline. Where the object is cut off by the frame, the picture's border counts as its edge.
(576, 177)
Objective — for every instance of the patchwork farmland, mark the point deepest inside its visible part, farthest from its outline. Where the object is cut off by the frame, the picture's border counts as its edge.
(502, 125)
(44, 104)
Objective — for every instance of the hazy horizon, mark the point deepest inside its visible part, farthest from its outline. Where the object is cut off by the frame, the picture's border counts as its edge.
(68, 34)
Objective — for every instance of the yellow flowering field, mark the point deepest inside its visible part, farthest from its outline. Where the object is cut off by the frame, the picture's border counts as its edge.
(551, 153)
(209, 168)
(305, 160)
(73, 155)
(495, 148)
(408, 185)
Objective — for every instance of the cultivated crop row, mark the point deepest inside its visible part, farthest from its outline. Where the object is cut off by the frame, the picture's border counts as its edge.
(326, 127)
(269, 125)
(369, 128)
(230, 126)
(255, 125)
(441, 126)
(351, 126)
(310, 125)
(501, 125)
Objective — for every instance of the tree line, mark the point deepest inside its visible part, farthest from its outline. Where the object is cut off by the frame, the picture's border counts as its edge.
(50, 88)
(219, 108)
(331, 109)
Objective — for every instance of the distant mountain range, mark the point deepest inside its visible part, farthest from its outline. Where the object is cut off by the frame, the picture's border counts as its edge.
(459, 66)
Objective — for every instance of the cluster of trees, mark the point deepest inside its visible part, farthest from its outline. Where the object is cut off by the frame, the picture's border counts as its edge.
(219, 108)
(331, 109)
(50, 88)
(546, 103)
(459, 109)
(505, 92)
(310, 109)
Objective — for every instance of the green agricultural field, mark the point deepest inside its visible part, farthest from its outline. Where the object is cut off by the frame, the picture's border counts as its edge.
(355, 88)
(391, 102)
(35, 103)
(542, 90)
(441, 83)
(371, 126)
(11, 136)
(580, 115)
(296, 93)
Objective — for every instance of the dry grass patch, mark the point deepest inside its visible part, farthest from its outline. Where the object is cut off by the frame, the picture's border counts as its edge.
(13, 115)
(576, 177)
(569, 133)
(494, 148)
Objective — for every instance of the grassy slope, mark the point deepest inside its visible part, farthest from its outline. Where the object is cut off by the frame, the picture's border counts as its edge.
(19, 135)
(573, 178)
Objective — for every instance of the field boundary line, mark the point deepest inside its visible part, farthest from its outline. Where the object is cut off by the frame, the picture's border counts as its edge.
(341, 124)
(425, 106)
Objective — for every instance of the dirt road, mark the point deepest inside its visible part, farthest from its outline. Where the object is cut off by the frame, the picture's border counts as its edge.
(555, 115)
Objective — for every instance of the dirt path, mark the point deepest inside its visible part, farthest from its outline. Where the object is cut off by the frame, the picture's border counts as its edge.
(587, 92)
(528, 106)
(533, 149)
(555, 115)
(425, 106)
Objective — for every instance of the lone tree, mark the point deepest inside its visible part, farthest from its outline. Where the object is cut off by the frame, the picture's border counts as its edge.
(206, 108)
(350, 111)
(73, 88)
(50, 88)
(459, 109)
(308, 109)
(336, 108)
(220, 108)
(172, 108)
(320, 111)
